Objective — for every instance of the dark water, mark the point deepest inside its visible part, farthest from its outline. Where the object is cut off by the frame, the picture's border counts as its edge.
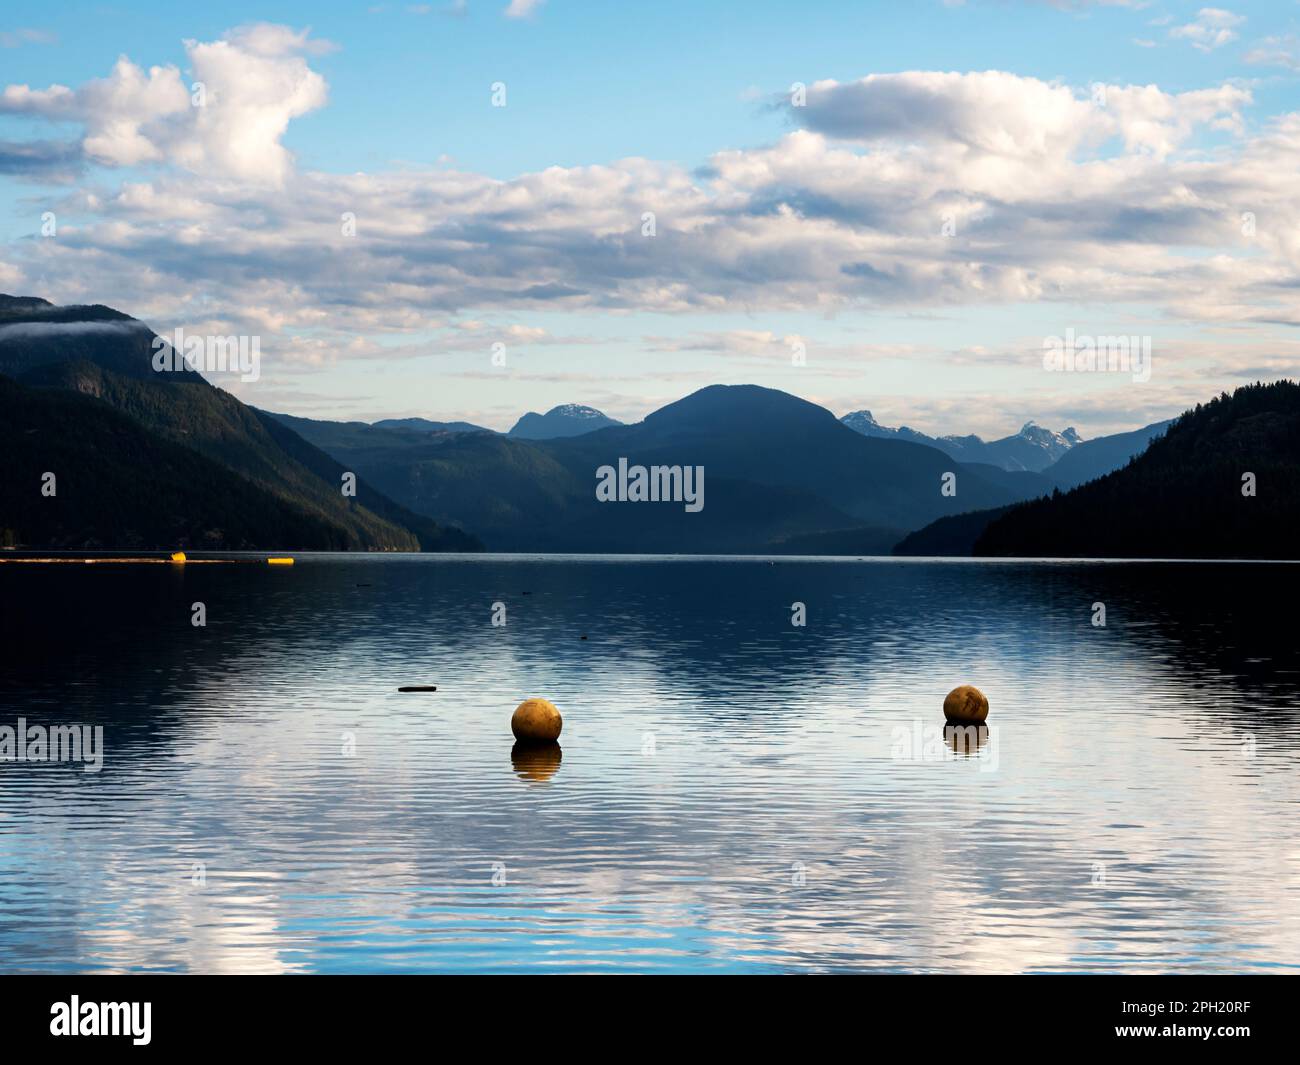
(734, 794)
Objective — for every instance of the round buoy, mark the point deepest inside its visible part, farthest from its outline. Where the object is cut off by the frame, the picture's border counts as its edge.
(536, 721)
(966, 706)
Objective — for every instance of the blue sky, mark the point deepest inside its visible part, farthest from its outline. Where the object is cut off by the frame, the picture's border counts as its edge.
(1127, 225)
(594, 82)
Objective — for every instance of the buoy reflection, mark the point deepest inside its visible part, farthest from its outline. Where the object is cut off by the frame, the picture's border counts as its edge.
(965, 740)
(536, 762)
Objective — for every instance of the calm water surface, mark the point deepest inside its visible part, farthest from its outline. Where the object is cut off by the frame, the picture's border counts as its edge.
(734, 793)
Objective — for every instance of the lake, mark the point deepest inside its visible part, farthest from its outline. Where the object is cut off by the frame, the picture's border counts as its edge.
(733, 793)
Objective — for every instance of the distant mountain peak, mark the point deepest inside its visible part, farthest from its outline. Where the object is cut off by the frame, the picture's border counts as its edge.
(1033, 448)
(1037, 434)
(576, 410)
(20, 304)
(425, 425)
(36, 335)
(726, 408)
(568, 419)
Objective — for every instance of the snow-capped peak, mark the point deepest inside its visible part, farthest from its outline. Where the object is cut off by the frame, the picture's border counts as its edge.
(860, 417)
(1036, 434)
(575, 410)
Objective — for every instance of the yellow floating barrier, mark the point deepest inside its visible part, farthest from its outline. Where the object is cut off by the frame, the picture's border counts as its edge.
(536, 721)
(45, 561)
(965, 705)
(280, 561)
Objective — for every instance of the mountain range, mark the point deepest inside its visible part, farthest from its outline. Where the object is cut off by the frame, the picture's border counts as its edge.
(1033, 448)
(169, 460)
(423, 425)
(778, 469)
(795, 481)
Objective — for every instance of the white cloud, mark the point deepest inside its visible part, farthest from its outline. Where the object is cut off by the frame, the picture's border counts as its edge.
(1054, 195)
(989, 111)
(1281, 51)
(993, 113)
(253, 82)
(118, 109)
(56, 103)
(522, 8)
(20, 37)
(1212, 28)
(25, 330)
(274, 41)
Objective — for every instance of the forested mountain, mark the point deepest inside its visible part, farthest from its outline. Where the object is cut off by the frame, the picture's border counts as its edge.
(107, 357)
(424, 425)
(1222, 482)
(955, 535)
(118, 485)
(780, 474)
(1096, 458)
(777, 469)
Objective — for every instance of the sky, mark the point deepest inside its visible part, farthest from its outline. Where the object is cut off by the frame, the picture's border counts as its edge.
(470, 210)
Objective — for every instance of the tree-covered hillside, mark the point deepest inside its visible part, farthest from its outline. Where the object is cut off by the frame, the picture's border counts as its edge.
(1222, 482)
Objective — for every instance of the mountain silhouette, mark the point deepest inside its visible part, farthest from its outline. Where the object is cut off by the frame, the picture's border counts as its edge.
(776, 468)
(108, 357)
(1032, 449)
(1096, 458)
(1223, 481)
(568, 419)
(118, 485)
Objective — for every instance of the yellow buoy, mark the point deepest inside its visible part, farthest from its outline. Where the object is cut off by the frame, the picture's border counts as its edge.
(178, 556)
(966, 705)
(280, 561)
(536, 721)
